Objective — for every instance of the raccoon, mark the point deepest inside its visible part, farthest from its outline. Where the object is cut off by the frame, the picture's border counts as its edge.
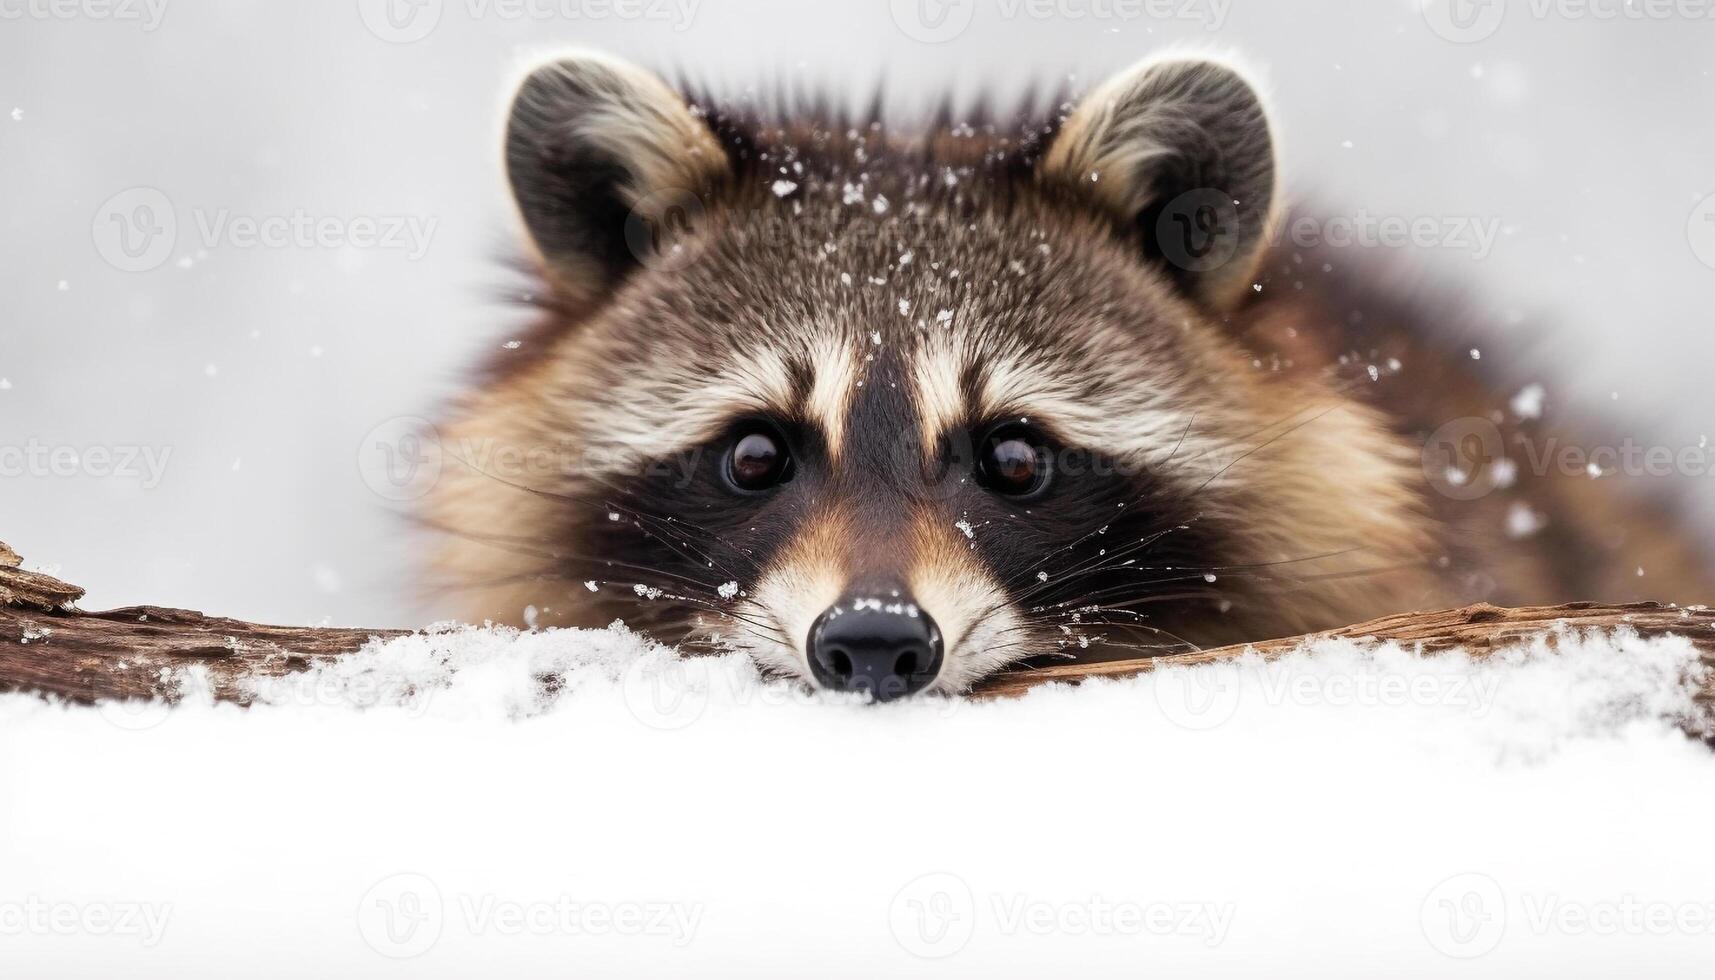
(891, 410)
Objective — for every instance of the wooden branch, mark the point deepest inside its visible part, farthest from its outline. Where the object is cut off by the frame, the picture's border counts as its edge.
(1480, 630)
(49, 647)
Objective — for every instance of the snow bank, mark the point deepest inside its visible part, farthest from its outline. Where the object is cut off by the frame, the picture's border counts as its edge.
(582, 804)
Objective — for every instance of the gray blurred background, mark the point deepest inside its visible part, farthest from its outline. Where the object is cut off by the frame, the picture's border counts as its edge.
(141, 139)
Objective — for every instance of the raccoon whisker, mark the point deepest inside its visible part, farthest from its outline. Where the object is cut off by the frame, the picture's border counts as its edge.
(1179, 643)
(1252, 572)
(687, 551)
(1051, 629)
(1305, 581)
(684, 548)
(1350, 385)
(689, 526)
(512, 543)
(674, 523)
(704, 636)
(699, 604)
(1181, 443)
(554, 495)
(1078, 571)
(662, 598)
(1024, 575)
(1264, 445)
(573, 581)
(1060, 579)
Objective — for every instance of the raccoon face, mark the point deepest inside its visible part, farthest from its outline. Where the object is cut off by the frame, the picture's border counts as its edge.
(889, 414)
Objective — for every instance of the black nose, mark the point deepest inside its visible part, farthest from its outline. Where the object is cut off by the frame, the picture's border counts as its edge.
(887, 647)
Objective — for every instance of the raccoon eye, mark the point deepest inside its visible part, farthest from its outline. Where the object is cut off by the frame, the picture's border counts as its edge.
(1015, 461)
(758, 460)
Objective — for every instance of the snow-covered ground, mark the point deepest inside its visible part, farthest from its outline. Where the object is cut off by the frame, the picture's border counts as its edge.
(262, 378)
(1333, 814)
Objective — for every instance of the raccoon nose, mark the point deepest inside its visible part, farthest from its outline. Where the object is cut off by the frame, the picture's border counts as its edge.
(888, 648)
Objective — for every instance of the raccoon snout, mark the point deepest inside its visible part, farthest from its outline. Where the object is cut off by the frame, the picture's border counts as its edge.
(889, 648)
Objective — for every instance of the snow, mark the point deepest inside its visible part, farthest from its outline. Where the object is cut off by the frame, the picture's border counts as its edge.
(640, 815)
(1523, 520)
(1527, 404)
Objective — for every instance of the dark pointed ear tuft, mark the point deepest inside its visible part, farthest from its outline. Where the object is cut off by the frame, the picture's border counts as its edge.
(1180, 149)
(594, 148)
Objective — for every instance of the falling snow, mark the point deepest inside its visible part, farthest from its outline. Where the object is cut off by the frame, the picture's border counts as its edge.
(1527, 404)
(1523, 521)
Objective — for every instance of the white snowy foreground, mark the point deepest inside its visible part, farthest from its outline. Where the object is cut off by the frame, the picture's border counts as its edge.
(1337, 814)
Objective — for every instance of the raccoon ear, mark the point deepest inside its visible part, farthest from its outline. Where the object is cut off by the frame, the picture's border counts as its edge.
(599, 151)
(1180, 150)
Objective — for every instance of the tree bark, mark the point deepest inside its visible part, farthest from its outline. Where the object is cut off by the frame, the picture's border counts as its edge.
(49, 647)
